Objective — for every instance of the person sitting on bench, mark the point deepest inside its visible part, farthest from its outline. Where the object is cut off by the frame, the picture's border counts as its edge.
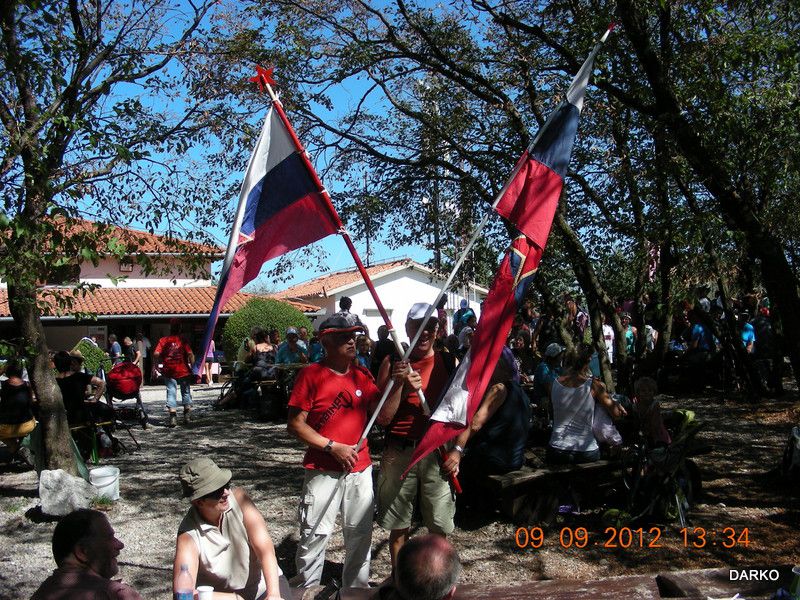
(73, 384)
(16, 416)
(573, 398)
(495, 440)
(256, 362)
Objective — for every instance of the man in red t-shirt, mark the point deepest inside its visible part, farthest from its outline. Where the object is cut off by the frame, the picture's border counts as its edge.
(175, 356)
(406, 422)
(328, 411)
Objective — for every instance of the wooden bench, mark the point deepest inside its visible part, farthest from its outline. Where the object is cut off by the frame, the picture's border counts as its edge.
(638, 587)
(698, 584)
(533, 493)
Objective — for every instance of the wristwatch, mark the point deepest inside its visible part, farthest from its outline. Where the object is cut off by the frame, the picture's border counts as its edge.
(459, 449)
(329, 446)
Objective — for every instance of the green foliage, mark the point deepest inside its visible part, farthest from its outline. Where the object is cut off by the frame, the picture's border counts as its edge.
(93, 357)
(259, 312)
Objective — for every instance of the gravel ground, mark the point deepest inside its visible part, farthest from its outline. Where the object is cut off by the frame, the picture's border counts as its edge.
(741, 490)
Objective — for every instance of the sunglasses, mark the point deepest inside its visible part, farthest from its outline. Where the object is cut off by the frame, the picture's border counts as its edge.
(343, 337)
(217, 494)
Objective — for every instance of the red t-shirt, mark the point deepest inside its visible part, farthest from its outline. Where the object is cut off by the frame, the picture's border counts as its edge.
(173, 352)
(337, 408)
(410, 421)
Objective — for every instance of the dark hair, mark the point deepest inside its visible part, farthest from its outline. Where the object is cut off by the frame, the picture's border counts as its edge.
(71, 530)
(63, 361)
(427, 568)
(13, 368)
(345, 303)
(580, 357)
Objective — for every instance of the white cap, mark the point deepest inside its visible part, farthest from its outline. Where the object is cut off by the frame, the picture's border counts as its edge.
(418, 311)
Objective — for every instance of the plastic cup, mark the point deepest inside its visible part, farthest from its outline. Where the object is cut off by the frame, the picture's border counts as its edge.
(205, 592)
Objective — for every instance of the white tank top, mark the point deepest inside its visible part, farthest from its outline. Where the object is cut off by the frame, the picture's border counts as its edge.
(227, 561)
(573, 415)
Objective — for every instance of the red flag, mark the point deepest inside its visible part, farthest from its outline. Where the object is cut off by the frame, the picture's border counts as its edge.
(469, 383)
(529, 201)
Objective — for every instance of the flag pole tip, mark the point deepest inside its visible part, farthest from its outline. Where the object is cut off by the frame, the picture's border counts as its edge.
(611, 27)
(263, 77)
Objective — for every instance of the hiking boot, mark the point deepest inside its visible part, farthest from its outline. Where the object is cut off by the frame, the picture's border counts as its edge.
(187, 417)
(173, 420)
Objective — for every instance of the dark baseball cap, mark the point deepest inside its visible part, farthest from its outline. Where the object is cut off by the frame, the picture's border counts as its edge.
(341, 322)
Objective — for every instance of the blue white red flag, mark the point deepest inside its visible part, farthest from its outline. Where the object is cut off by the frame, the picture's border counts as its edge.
(529, 201)
(281, 208)
(530, 198)
(462, 398)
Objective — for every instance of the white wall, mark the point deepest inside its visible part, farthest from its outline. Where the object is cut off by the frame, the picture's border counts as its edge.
(398, 292)
(136, 278)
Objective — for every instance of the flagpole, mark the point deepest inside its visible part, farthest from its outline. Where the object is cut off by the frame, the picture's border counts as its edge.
(335, 216)
(452, 275)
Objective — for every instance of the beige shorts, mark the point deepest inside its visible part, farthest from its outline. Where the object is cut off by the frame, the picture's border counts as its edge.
(396, 497)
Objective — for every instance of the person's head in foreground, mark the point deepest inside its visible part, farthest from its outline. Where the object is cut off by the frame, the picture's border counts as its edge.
(85, 549)
(84, 539)
(428, 568)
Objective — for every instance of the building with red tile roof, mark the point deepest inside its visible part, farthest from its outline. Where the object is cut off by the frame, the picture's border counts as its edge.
(128, 299)
(399, 284)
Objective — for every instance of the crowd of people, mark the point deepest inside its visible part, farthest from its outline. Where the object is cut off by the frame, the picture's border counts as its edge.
(223, 540)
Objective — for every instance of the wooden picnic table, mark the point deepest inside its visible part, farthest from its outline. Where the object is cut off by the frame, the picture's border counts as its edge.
(535, 490)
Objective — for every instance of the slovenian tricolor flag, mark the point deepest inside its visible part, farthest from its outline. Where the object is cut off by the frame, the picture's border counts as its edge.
(529, 201)
(281, 208)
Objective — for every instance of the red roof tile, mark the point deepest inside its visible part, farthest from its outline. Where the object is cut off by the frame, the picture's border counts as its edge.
(321, 286)
(148, 301)
(141, 241)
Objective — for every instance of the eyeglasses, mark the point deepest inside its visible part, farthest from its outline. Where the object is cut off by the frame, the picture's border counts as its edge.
(217, 494)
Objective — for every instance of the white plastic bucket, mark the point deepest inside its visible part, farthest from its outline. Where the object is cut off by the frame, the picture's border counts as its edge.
(106, 481)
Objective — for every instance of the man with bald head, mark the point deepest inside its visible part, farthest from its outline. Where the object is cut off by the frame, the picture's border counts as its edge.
(427, 568)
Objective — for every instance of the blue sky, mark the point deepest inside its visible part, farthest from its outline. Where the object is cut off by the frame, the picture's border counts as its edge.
(336, 255)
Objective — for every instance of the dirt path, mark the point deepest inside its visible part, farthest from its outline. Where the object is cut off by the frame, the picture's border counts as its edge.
(741, 487)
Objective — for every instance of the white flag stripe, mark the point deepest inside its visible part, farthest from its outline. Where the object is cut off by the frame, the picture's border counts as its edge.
(453, 406)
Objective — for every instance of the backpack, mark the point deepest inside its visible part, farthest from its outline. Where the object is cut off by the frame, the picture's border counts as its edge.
(791, 456)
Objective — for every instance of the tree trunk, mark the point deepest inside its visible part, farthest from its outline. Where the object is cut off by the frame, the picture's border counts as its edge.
(597, 299)
(52, 416)
(668, 306)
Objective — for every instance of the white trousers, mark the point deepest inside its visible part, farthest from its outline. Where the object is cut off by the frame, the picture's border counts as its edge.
(355, 501)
